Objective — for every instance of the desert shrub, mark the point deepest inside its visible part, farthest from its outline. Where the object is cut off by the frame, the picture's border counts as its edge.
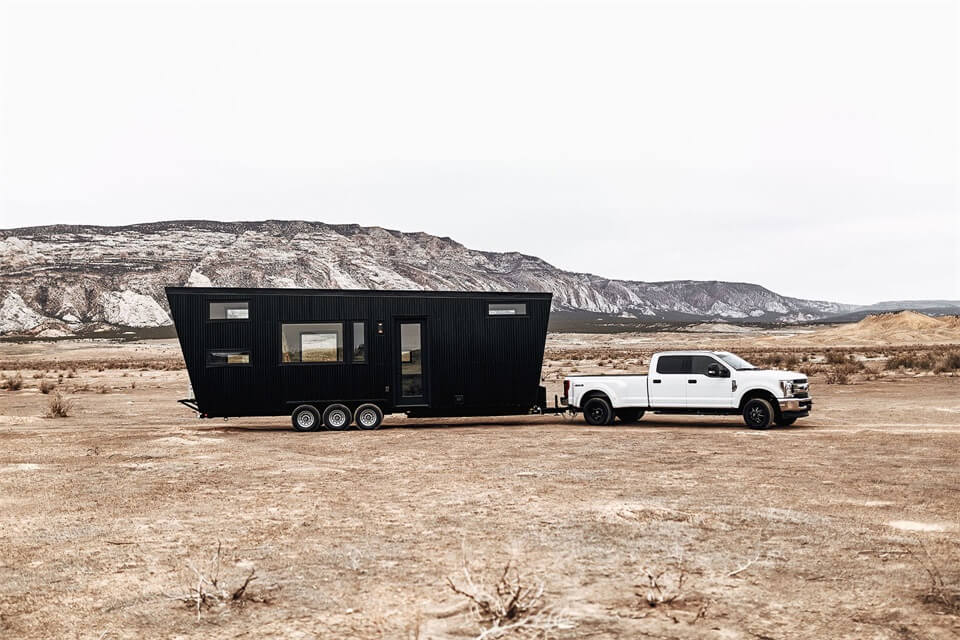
(949, 361)
(59, 406)
(72, 373)
(835, 357)
(842, 373)
(791, 361)
(911, 360)
(46, 386)
(103, 388)
(12, 382)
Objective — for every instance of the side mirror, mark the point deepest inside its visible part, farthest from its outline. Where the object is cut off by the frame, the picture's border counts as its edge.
(716, 371)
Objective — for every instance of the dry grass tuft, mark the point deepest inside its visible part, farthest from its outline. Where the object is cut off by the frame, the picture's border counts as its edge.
(46, 386)
(12, 382)
(211, 592)
(511, 606)
(59, 406)
(942, 591)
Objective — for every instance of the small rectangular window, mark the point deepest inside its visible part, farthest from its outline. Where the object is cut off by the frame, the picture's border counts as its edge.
(232, 310)
(225, 357)
(359, 342)
(507, 309)
(313, 342)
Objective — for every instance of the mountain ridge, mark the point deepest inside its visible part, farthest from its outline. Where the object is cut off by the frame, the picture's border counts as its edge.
(68, 279)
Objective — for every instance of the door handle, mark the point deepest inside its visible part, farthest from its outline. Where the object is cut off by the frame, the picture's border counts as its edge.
(692, 381)
(656, 382)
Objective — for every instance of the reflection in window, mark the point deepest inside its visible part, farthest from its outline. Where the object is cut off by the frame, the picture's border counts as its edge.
(507, 309)
(359, 342)
(232, 310)
(314, 342)
(219, 358)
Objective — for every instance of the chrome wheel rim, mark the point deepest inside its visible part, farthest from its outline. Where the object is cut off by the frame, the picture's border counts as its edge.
(305, 419)
(368, 417)
(337, 418)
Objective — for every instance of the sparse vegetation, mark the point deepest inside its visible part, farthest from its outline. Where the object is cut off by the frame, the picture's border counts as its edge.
(210, 590)
(59, 406)
(13, 382)
(512, 604)
(46, 386)
(942, 590)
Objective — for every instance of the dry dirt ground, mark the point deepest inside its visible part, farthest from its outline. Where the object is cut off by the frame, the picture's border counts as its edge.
(836, 527)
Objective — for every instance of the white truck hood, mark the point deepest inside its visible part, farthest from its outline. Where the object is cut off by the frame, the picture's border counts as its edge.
(770, 374)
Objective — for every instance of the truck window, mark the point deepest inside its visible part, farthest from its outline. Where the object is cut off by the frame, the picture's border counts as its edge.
(674, 364)
(700, 364)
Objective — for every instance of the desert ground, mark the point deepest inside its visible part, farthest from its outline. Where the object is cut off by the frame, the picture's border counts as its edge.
(845, 525)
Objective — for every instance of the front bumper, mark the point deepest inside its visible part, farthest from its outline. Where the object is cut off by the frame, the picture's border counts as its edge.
(795, 405)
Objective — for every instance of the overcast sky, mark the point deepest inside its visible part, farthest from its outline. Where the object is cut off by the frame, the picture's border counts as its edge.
(811, 147)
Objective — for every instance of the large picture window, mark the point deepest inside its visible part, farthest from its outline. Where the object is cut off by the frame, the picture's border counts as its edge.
(313, 342)
(232, 310)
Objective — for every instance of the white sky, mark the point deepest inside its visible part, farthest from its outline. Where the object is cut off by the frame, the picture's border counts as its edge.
(811, 147)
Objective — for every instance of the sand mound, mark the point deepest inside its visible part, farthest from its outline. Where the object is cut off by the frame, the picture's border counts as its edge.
(905, 327)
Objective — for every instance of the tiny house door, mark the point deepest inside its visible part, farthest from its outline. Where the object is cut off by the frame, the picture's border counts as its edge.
(411, 363)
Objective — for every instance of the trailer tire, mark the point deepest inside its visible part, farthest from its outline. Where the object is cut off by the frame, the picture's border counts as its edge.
(758, 413)
(368, 416)
(597, 411)
(337, 417)
(305, 418)
(629, 416)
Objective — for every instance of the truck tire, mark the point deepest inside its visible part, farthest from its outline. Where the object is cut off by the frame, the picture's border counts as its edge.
(785, 422)
(758, 413)
(629, 415)
(368, 416)
(597, 411)
(337, 417)
(305, 418)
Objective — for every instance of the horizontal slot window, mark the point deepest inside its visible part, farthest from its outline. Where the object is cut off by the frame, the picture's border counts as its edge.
(233, 310)
(507, 309)
(313, 342)
(225, 358)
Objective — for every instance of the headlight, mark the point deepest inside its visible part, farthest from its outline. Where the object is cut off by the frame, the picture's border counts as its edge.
(787, 386)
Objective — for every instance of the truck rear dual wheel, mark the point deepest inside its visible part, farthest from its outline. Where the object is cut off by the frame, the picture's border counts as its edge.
(629, 416)
(597, 411)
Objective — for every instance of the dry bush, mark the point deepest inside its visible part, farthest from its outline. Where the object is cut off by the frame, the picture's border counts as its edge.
(912, 360)
(841, 373)
(511, 605)
(103, 388)
(948, 362)
(833, 356)
(943, 591)
(59, 406)
(208, 589)
(46, 386)
(12, 382)
(662, 587)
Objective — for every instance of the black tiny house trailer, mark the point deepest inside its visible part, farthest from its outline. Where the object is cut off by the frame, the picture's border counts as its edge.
(329, 355)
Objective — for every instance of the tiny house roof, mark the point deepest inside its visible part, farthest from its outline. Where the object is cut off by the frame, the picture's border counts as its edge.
(407, 293)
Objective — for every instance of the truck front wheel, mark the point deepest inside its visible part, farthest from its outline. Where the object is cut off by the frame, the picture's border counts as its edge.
(629, 415)
(758, 413)
(597, 411)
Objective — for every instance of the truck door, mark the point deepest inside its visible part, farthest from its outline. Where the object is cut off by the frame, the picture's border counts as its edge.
(668, 384)
(709, 388)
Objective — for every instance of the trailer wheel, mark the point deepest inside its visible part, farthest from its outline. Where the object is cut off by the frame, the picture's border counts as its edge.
(758, 413)
(368, 416)
(629, 415)
(597, 411)
(305, 418)
(337, 417)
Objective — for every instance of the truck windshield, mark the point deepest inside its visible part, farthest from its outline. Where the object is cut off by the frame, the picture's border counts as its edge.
(736, 362)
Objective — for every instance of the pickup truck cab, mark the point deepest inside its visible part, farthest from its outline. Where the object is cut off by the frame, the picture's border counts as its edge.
(693, 382)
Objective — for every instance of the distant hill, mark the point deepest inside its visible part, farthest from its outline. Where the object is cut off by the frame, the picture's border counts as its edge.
(927, 307)
(66, 280)
(904, 327)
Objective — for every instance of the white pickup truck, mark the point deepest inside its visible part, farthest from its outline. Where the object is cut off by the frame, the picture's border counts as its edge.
(696, 382)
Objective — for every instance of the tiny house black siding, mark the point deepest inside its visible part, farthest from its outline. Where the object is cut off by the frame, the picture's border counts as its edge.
(476, 364)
